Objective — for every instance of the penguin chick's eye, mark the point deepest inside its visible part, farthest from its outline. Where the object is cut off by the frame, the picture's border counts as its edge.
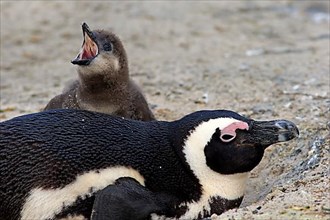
(107, 46)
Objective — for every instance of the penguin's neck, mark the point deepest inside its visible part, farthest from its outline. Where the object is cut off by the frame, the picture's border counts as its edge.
(103, 82)
(219, 193)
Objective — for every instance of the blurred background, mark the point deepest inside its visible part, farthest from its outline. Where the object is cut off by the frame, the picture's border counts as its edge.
(262, 59)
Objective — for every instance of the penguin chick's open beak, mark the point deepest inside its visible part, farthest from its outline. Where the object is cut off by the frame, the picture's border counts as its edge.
(89, 49)
(266, 133)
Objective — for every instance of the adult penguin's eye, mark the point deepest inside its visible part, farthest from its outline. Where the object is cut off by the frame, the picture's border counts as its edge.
(227, 137)
(107, 46)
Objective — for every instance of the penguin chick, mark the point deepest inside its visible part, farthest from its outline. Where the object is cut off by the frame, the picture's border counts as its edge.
(103, 83)
(54, 162)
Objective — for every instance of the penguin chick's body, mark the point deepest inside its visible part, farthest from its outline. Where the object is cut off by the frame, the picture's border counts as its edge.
(54, 162)
(103, 83)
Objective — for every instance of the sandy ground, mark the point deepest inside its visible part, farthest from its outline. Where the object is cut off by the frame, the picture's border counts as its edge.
(263, 59)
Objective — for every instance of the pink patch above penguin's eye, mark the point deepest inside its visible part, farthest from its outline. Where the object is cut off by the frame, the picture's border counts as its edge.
(229, 133)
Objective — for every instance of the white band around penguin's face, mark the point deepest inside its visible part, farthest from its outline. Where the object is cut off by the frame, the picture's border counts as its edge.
(214, 184)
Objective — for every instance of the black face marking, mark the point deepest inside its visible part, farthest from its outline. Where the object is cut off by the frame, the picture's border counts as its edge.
(245, 151)
(232, 157)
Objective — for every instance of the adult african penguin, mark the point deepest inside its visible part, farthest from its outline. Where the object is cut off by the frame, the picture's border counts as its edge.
(54, 162)
(103, 83)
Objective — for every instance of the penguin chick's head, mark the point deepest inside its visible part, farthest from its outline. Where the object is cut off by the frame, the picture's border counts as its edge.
(229, 143)
(101, 52)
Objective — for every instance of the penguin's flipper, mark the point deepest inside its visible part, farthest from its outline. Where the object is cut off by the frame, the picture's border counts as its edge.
(55, 103)
(127, 199)
(65, 100)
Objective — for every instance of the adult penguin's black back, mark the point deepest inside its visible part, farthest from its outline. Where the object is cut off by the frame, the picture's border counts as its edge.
(49, 150)
(53, 162)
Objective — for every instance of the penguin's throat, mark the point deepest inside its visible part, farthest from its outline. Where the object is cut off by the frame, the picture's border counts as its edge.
(89, 49)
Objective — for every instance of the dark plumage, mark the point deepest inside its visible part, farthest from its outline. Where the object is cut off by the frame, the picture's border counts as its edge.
(130, 200)
(53, 162)
(104, 84)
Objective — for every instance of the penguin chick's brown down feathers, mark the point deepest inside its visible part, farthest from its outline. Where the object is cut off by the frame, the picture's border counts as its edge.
(103, 83)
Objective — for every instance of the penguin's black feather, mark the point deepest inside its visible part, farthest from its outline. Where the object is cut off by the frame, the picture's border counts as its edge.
(130, 200)
(49, 149)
